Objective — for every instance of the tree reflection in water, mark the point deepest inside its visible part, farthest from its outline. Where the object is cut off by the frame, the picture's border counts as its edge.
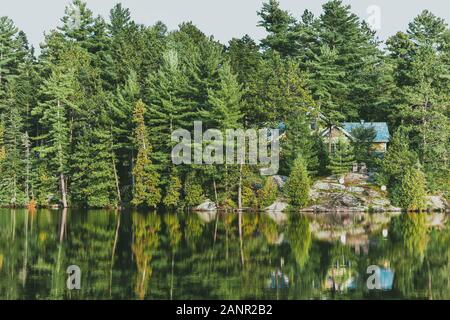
(183, 255)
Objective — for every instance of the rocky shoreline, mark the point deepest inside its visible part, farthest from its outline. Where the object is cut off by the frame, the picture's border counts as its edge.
(355, 192)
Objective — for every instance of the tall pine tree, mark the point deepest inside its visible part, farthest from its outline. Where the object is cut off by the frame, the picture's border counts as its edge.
(146, 179)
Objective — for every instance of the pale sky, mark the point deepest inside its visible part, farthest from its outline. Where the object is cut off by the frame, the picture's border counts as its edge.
(224, 19)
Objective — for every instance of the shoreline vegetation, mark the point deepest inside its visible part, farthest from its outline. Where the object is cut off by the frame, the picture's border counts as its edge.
(87, 123)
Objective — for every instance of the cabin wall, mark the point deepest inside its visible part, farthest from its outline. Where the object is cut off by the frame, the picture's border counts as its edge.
(337, 135)
(380, 146)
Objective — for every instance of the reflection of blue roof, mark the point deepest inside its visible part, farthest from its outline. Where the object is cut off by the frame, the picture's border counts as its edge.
(386, 279)
(281, 127)
(381, 129)
(352, 284)
(278, 280)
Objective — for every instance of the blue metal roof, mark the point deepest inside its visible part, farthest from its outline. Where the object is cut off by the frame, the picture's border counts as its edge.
(381, 129)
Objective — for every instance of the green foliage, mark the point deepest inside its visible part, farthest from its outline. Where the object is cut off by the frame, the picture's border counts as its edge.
(298, 185)
(412, 230)
(268, 193)
(10, 58)
(45, 185)
(93, 181)
(69, 135)
(410, 193)
(362, 145)
(174, 230)
(145, 243)
(193, 191)
(300, 141)
(172, 197)
(282, 90)
(397, 159)
(224, 102)
(342, 159)
(146, 179)
(421, 74)
(249, 199)
(169, 107)
(280, 26)
(300, 238)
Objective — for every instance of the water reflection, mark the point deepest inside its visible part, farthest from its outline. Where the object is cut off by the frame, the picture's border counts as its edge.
(131, 255)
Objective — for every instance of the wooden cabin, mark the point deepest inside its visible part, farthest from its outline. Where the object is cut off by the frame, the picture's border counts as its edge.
(344, 131)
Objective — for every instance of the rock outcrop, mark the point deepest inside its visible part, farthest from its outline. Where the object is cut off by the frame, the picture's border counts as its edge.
(353, 193)
(208, 205)
(278, 205)
(437, 203)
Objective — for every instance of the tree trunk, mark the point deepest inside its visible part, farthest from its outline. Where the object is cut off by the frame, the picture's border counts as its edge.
(424, 130)
(116, 238)
(132, 168)
(215, 192)
(241, 242)
(329, 139)
(63, 190)
(25, 258)
(27, 158)
(240, 188)
(116, 177)
(63, 225)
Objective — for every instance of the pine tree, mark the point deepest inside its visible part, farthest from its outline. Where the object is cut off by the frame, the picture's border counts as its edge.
(410, 193)
(268, 193)
(299, 141)
(307, 29)
(2, 158)
(9, 56)
(120, 19)
(44, 184)
(283, 91)
(59, 91)
(13, 172)
(146, 185)
(356, 52)
(224, 103)
(173, 190)
(92, 180)
(246, 62)
(25, 85)
(223, 114)
(327, 84)
(363, 143)
(78, 24)
(192, 190)
(66, 117)
(281, 28)
(397, 159)
(169, 107)
(422, 79)
(298, 184)
(428, 30)
(342, 159)
(121, 106)
(201, 57)
(2, 143)
(245, 58)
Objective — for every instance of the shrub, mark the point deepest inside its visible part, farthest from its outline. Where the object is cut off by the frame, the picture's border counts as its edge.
(410, 192)
(298, 184)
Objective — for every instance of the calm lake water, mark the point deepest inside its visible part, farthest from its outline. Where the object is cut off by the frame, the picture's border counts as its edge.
(132, 255)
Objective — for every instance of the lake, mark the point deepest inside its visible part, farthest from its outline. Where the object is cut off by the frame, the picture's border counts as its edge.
(188, 255)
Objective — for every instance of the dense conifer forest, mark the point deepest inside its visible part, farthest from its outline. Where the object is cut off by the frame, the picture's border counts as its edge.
(88, 121)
